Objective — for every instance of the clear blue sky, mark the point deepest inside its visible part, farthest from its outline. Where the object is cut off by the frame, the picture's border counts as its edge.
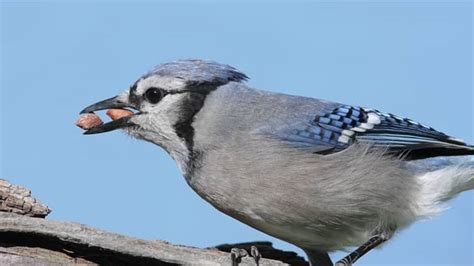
(411, 59)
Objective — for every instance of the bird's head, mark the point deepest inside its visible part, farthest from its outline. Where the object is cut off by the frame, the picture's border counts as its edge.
(165, 101)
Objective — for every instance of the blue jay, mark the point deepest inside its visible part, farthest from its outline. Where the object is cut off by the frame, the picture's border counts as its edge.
(321, 175)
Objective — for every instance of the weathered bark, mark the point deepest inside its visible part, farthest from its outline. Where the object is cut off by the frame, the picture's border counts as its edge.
(18, 199)
(24, 240)
(27, 240)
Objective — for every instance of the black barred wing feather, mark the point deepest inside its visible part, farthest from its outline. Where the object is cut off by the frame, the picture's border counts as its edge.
(338, 129)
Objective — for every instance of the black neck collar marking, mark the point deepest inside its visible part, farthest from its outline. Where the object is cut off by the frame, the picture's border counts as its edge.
(190, 106)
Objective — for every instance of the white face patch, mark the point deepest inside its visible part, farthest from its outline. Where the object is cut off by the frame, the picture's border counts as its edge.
(161, 117)
(163, 83)
(166, 83)
(157, 126)
(167, 106)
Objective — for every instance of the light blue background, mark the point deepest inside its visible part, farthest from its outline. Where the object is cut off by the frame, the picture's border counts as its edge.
(412, 59)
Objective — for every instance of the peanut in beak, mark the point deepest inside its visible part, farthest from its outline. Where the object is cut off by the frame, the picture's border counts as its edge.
(90, 120)
(118, 113)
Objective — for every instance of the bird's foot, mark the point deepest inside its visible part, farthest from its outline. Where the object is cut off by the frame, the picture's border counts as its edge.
(255, 254)
(236, 255)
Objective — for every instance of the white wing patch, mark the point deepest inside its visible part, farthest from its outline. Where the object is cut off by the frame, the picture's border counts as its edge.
(372, 120)
(338, 129)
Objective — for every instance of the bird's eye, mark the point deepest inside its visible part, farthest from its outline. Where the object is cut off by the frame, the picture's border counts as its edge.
(153, 95)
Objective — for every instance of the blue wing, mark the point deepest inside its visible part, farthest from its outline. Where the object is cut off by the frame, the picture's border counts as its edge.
(345, 125)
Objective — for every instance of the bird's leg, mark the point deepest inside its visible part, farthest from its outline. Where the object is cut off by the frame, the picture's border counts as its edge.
(236, 255)
(366, 247)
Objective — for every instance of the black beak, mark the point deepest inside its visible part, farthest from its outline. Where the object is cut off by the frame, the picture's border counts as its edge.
(112, 125)
(113, 102)
(110, 103)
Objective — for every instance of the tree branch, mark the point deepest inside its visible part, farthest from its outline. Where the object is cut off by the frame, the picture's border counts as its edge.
(66, 242)
(28, 240)
(18, 199)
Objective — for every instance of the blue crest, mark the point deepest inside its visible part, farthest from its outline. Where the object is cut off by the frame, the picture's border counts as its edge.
(196, 70)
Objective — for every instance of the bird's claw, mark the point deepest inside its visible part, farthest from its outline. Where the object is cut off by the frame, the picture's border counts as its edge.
(236, 255)
(255, 254)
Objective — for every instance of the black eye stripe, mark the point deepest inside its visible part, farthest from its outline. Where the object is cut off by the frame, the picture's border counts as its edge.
(152, 94)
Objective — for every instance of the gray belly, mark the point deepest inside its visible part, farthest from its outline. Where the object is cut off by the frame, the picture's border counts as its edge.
(326, 202)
